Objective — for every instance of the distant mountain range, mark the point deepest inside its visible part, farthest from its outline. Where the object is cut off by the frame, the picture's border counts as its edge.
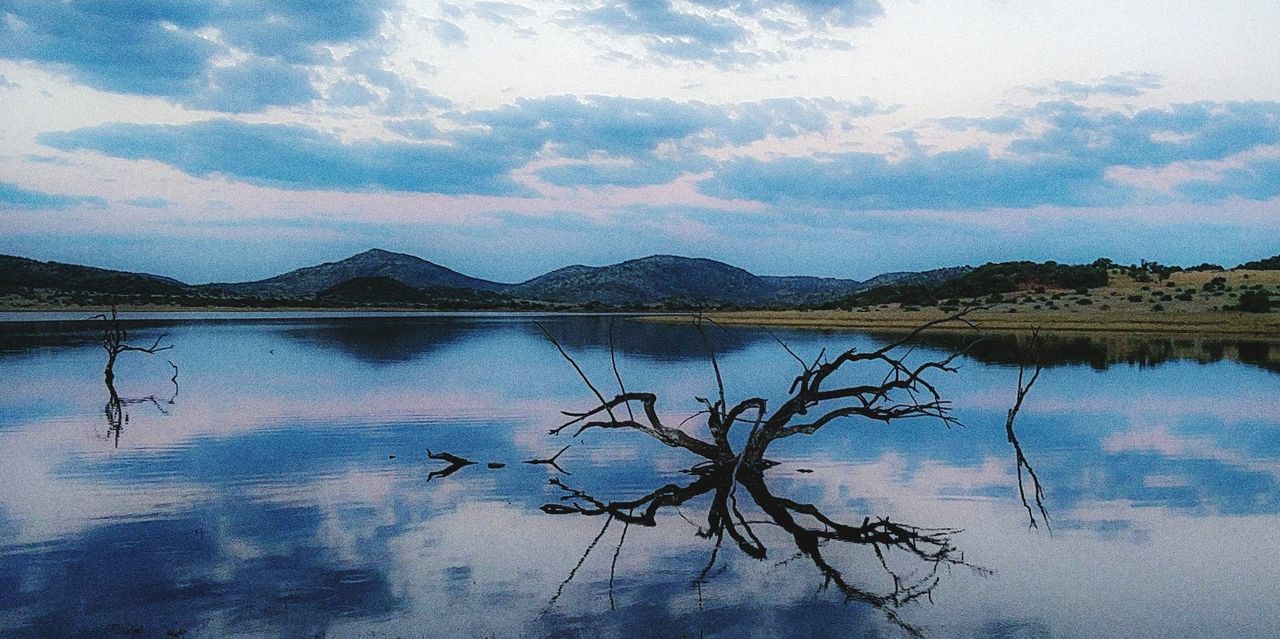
(378, 277)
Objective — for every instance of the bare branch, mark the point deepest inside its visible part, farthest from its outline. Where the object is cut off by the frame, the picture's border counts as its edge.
(581, 374)
(1023, 465)
(613, 359)
(551, 461)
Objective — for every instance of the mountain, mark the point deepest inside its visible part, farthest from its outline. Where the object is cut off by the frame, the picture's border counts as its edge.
(18, 273)
(671, 279)
(935, 276)
(409, 270)
(383, 278)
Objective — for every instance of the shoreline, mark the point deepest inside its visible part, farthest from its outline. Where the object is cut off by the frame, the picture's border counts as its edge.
(1227, 323)
(1224, 323)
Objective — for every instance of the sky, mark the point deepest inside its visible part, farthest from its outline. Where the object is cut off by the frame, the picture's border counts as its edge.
(222, 140)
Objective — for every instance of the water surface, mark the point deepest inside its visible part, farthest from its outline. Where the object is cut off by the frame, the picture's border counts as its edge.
(285, 489)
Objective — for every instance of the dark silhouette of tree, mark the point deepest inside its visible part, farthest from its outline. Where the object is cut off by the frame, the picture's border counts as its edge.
(821, 394)
(114, 340)
(817, 397)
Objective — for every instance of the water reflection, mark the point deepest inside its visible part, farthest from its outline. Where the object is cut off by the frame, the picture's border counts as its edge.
(286, 493)
(1102, 351)
(808, 529)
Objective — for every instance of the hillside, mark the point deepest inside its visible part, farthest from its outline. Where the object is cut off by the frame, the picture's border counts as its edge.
(17, 273)
(673, 279)
(659, 282)
(646, 281)
(988, 279)
(387, 292)
(409, 270)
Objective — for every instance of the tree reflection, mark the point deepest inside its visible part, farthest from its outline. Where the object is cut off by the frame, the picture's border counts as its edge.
(913, 558)
(885, 385)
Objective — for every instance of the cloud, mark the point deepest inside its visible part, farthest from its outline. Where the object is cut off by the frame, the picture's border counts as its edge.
(6, 83)
(504, 13)
(1000, 125)
(720, 32)
(449, 34)
(1256, 180)
(1197, 131)
(657, 139)
(16, 197)
(176, 49)
(667, 31)
(616, 141)
(1065, 164)
(1117, 85)
(644, 172)
(149, 202)
(968, 178)
(254, 86)
(297, 157)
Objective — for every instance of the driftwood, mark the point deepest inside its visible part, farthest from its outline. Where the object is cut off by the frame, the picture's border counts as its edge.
(815, 399)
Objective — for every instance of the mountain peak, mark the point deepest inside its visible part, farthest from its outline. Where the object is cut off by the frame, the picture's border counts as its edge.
(381, 254)
(408, 270)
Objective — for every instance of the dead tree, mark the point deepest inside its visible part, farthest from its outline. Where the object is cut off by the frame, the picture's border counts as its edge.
(818, 396)
(822, 393)
(114, 341)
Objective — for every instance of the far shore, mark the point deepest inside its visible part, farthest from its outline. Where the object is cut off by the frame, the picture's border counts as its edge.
(889, 320)
(896, 321)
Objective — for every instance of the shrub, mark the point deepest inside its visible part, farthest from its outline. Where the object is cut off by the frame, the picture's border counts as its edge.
(1255, 302)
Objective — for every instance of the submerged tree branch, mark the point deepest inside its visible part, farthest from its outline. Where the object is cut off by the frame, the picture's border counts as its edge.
(1025, 470)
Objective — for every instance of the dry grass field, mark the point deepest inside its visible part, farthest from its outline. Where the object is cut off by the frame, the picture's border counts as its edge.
(1191, 302)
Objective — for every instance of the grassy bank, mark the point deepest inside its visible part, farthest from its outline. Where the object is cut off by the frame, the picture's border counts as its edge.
(1187, 303)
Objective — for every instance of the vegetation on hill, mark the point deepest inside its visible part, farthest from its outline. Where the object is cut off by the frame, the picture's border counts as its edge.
(385, 291)
(1255, 301)
(17, 273)
(984, 281)
(1269, 264)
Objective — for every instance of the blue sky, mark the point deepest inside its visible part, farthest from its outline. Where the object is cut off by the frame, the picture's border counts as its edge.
(232, 139)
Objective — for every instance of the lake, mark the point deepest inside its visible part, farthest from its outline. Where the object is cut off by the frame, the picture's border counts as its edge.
(282, 488)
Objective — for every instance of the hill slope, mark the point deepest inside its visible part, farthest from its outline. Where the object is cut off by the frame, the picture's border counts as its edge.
(21, 273)
(660, 278)
(409, 270)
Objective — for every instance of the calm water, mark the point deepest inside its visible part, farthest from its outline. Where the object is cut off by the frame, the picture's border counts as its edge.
(285, 489)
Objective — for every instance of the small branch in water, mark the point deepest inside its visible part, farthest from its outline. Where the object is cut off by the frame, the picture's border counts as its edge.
(174, 379)
(551, 461)
(455, 462)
